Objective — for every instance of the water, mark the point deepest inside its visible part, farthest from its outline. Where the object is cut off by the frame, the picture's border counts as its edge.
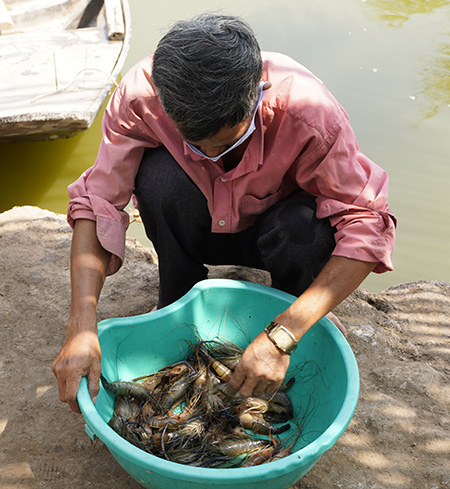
(386, 61)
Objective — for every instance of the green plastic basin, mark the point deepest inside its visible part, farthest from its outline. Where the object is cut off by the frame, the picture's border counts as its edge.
(324, 394)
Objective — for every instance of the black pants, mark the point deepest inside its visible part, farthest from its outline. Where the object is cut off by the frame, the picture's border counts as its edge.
(287, 240)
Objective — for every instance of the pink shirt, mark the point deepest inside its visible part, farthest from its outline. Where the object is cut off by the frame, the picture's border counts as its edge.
(303, 138)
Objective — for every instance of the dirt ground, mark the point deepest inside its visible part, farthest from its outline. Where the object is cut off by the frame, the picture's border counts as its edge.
(399, 435)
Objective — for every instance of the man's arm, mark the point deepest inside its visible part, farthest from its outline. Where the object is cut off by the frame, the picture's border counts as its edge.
(80, 355)
(263, 367)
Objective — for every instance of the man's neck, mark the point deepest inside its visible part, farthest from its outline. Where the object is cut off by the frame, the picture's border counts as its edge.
(231, 160)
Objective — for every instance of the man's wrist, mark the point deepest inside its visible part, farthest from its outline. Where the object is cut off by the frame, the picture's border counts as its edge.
(82, 320)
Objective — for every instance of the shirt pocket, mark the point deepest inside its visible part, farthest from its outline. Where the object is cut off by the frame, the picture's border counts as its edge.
(251, 204)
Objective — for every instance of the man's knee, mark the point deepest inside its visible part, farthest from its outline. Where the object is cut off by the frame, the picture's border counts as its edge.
(166, 195)
(294, 244)
(293, 223)
(157, 167)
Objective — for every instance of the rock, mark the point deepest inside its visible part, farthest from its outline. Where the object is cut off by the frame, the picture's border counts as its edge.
(398, 437)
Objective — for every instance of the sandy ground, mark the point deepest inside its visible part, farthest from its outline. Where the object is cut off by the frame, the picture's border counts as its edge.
(398, 438)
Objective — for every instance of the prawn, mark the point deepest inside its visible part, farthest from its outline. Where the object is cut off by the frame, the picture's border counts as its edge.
(176, 393)
(258, 424)
(125, 409)
(132, 389)
(210, 399)
(234, 448)
(170, 418)
(228, 353)
(261, 456)
(279, 408)
(250, 405)
(223, 372)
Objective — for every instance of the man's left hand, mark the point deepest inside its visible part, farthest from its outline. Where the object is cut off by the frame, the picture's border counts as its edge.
(261, 370)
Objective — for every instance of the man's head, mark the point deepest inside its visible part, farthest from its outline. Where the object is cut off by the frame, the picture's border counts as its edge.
(207, 72)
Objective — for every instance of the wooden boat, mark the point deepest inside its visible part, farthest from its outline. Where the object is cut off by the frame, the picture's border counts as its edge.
(59, 60)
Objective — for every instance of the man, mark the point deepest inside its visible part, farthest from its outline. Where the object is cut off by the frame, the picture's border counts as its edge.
(235, 157)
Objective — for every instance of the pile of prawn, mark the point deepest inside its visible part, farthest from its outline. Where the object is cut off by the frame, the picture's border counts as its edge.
(182, 412)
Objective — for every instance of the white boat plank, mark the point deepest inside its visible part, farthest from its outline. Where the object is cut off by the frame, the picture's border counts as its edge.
(48, 63)
(5, 19)
(43, 15)
(114, 20)
(58, 65)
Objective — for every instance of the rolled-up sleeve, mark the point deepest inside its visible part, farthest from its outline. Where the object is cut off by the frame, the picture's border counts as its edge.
(111, 223)
(361, 233)
(352, 192)
(104, 190)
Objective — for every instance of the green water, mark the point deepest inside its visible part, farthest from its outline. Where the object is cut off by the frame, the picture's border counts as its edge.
(387, 62)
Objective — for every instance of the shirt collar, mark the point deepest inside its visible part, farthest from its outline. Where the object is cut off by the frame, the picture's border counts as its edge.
(254, 154)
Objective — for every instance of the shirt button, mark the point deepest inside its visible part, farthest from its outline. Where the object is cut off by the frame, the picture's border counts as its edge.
(224, 180)
(221, 222)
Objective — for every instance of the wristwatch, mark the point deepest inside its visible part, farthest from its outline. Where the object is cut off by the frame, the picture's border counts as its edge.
(281, 337)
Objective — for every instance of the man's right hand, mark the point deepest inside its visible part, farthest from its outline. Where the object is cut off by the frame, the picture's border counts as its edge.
(79, 357)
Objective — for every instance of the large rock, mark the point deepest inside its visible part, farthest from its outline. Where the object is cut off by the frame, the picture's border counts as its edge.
(398, 437)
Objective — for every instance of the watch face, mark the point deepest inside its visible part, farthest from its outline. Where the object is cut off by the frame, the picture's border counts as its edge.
(281, 338)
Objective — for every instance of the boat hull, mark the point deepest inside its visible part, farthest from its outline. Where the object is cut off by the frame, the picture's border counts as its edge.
(55, 81)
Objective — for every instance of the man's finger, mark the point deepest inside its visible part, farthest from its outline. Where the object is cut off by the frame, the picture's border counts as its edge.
(248, 387)
(62, 389)
(71, 394)
(235, 383)
(271, 388)
(260, 388)
(232, 388)
(93, 379)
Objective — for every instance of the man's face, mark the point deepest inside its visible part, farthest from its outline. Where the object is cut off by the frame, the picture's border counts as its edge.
(215, 145)
(228, 136)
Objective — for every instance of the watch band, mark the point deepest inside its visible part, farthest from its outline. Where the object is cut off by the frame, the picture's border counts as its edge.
(281, 337)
